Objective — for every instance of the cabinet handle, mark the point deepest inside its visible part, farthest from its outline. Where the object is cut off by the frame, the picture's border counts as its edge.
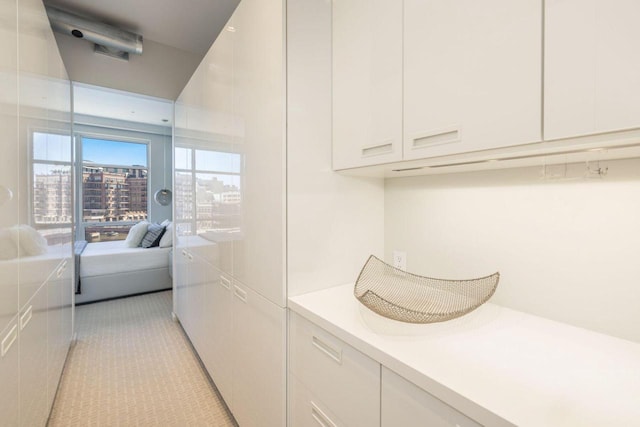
(335, 354)
(190, 257)
(8, 341)
(26, 317)
(225, 282)
(378, 149)
(61, 269)
(184, 253)
(436, 137)
(240, 293)
(320, 417)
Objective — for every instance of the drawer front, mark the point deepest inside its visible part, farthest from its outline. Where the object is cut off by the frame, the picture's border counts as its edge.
(405, 404)
(345, 380)
(306, 410)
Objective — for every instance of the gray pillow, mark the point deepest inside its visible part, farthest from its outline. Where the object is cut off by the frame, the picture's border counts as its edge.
(153, 236)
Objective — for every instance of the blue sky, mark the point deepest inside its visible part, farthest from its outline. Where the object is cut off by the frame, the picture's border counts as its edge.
(114, 152)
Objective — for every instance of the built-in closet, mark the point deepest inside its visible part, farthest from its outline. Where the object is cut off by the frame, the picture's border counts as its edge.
(35, 249)
(259, 213)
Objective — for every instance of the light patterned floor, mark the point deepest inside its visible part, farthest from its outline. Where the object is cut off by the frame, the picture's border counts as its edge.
(133, 366)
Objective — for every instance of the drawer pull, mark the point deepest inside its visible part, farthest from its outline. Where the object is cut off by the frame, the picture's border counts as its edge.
(327, 349)
(26, 317)
(378, 149)
(240, 293)
(320, 417)
(438, 137)
(225, 282)
(190, 257)
(184, 253)
(61, 269)
(8, 341)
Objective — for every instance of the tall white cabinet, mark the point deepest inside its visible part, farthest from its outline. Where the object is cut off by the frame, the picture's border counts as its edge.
(36, 286)
(259, 213)
(230, 204)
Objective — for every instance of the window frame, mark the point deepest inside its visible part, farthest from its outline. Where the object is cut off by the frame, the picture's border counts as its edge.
(33, 161)
(79, 136)
(193, 222)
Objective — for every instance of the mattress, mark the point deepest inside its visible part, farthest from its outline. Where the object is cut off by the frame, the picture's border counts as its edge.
(103, 258)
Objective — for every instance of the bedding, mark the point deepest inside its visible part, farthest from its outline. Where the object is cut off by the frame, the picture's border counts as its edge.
(103, 258)
(153, 236)
(136, 234)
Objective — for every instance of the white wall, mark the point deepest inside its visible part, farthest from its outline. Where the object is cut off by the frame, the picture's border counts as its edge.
(567, 249)
(333, 222)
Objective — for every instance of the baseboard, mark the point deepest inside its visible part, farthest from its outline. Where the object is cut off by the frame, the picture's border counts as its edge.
(123, 296)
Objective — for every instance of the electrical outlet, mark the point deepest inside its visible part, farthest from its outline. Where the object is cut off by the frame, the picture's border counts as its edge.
(400, 260)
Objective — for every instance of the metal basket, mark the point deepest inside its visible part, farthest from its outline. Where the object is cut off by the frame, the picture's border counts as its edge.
(407, 297)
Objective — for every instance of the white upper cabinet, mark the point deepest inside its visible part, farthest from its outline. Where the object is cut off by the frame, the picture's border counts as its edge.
(445, 77)
(367, 82)
(592, 67)
(472, 75)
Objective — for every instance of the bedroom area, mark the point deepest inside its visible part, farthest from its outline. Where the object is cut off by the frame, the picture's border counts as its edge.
(123, 238)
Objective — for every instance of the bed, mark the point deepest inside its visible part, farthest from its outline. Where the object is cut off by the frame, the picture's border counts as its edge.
(111, 269)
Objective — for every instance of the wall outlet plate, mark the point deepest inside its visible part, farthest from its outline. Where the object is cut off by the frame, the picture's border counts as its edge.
(400, 260)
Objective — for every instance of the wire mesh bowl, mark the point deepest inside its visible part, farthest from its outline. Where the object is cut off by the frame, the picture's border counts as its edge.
(407, 297)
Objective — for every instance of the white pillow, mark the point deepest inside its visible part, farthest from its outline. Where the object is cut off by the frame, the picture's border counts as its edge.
(167, 237)
(136, 234)
(8, 248)
(28, 241)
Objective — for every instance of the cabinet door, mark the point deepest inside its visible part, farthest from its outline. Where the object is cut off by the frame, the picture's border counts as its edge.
(216, 161)
(259, 350)
(33, 360)
(10, 374)
(343, 384)
(218, 324)
(181, 289)
(472, 75)
(367, 82)
(9, 163)
(258, 98)
(592, 67)
(405, 404)
(198, 280)
(57, 338)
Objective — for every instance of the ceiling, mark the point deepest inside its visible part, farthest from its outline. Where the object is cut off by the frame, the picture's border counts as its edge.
(177, 35)
(112, 104)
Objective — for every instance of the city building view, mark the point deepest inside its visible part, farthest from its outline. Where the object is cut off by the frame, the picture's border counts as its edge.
(208, 184)
(112, 194)
(52, 188)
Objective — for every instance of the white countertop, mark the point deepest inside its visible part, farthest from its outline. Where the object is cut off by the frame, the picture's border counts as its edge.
(496, 365)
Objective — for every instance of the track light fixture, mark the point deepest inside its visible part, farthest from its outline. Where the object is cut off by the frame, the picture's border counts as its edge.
(108, 40)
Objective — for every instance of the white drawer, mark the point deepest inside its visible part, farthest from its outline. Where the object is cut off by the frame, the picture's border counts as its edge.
(306, 409)
(405, 404)
(342, 378)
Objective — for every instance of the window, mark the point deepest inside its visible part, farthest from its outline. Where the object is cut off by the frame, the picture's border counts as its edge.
(52, 180)
(114, 187)
(51, 186)
(214, 178)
